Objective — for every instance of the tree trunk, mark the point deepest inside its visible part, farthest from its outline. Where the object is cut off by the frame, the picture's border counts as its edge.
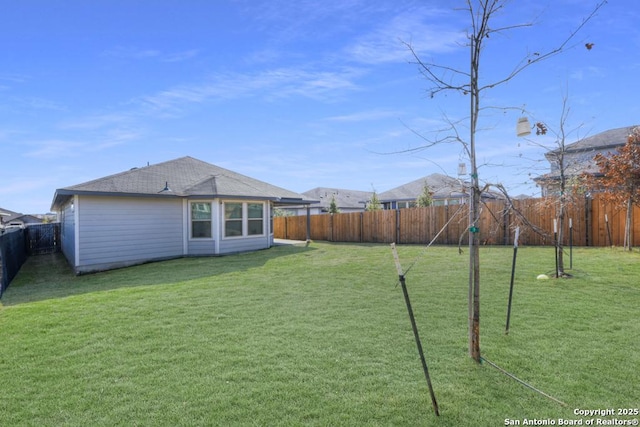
(627, 226)
(474, 208)
(560, 237)
(474, 271)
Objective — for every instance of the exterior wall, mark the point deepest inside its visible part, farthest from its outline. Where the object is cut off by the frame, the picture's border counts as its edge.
(245, 243)
(68, 232)
(202, 246)
(575, 163)
(102, 233)
(436, 201)
(120, 231)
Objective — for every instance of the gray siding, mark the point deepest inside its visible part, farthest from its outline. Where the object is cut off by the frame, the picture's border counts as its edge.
(201, 247)
(120, 231)
(244, 244)
(68, 233)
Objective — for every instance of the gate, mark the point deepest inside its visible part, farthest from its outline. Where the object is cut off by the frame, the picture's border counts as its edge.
(42, 238)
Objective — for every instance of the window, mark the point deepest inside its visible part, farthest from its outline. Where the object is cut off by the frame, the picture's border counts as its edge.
(232, 219)
(243, 219)
(201, 220)
(255, 218)
(405, 205)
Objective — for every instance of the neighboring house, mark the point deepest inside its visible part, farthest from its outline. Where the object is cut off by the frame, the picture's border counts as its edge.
(444, 189)
(577, 158)
(10, 219)
(183, 207)
(346, 201)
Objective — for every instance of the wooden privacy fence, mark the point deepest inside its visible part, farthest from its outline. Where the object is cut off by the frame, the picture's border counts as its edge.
(12, 255)
(449, 224)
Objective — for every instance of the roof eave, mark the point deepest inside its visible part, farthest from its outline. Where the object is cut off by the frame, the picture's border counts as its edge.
(291, 201)
(62, 195)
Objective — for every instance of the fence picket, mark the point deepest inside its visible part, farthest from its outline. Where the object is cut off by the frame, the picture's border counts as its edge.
(420, 225)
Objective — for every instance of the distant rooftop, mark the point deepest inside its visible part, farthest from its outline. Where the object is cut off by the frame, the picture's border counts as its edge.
(611, 138)
(344, 198)
(442, 186)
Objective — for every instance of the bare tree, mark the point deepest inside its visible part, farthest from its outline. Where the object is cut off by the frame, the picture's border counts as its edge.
(563, 180)
(444, 78)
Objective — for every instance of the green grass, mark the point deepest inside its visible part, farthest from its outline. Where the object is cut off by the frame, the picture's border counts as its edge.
(317, 335)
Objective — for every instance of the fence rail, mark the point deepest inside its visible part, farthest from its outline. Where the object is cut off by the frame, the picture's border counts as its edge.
(592, 221)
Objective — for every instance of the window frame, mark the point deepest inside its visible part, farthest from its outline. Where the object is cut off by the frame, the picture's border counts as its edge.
(192, 220)
(251, 219)
(234, 220)
(245, 219)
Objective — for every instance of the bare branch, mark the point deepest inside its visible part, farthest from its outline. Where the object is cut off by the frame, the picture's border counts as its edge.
(536, 57)
(430, 142)
(437, 74)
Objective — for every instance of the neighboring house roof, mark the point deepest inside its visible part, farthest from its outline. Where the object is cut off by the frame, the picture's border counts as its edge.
(11, 217)
(442, 186)
(578, 156)
(345, 199)
(182, 177)
(612, 138)
(6, 213)
(27, 219)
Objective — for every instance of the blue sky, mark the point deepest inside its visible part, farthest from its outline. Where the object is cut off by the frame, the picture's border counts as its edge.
(299, 94)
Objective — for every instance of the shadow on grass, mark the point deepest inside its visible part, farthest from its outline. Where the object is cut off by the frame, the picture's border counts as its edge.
(44, 277)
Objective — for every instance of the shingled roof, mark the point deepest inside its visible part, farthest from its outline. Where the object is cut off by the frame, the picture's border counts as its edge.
(182, 177)
(612, 138)
(442, 186)
(349, 199)
(579, 156)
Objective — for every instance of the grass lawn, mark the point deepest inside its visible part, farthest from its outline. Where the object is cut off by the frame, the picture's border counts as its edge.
(318, 335)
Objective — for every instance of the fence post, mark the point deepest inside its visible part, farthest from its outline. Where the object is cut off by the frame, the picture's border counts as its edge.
(588, 219)
(308, 223)
(331, 228)
(286, 227)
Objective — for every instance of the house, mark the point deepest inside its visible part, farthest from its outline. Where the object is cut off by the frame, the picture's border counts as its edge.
(444, 190)
(346, 201)
(182, 207)
(577, 157)
(10, 219)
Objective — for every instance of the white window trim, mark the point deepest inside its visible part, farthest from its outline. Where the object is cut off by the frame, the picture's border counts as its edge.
(190, 230)
(245, 220)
